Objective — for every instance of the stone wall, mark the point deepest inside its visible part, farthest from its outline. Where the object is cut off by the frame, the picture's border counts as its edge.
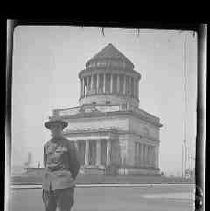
(107, 122)
(110, 99)
(143, 128)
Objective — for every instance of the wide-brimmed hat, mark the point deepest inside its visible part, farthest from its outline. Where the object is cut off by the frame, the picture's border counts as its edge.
(55, 121)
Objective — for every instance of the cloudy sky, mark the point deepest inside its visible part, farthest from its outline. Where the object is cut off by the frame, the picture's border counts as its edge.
(46, 63)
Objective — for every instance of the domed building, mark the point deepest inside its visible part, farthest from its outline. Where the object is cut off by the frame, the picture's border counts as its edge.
(108, 127)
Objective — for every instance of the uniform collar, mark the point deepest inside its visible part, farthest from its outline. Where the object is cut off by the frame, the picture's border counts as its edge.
(57, 138)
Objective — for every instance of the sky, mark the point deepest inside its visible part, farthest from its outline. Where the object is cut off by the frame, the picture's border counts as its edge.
(48, 59)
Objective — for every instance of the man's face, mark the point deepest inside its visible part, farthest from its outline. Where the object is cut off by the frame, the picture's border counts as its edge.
(56, 130)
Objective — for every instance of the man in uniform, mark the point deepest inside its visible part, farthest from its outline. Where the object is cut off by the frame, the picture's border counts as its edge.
(61, 168)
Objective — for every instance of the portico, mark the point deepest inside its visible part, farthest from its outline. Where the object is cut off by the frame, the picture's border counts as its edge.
(96, 149)
(95, 152)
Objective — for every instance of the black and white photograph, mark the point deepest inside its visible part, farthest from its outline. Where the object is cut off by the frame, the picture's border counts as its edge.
(103, 119)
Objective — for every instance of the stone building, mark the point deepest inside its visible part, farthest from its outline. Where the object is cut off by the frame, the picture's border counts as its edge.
(108, 127)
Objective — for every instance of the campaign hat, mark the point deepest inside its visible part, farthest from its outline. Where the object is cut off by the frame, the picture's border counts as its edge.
(53, 122)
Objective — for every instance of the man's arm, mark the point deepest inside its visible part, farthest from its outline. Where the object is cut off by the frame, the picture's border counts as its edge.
(74, 163)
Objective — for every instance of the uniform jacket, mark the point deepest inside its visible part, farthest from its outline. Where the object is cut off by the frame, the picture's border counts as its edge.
(61, 164)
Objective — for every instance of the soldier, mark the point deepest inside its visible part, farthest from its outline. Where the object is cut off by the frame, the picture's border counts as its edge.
(61, 168)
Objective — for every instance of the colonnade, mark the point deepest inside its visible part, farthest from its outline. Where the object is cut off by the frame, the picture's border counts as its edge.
(95, 152)
(146, 155)
(109, 83)
(99, 153)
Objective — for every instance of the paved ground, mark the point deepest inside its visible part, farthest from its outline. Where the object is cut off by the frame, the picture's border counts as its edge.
(143, 198)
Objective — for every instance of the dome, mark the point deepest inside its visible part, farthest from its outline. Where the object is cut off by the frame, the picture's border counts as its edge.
(109, 56)
(109, 78)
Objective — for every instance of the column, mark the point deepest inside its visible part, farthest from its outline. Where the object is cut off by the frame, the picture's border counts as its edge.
(76, 145)
(139, 154)
(124, 84)
(150, 156)
(87, 153)
(148, 151)
(146, 155)
(153, 156)
(92, 83)
(88, 86)
(98, 152)
(156, 156)
(140, 151)
(104, 85)
(130, 86)
(142, 155)
(97, 83)
(111, 83)
(118, 83)
(136, 154)
(108, 157)
(137, 89)
(83, 86)
(152, 159)
(134, 89)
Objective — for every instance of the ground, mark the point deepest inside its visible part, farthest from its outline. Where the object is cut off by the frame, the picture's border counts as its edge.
(103, 179)
(143, 198)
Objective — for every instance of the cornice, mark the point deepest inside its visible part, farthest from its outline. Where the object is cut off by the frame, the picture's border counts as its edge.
(110, 131)
(120, 96)
(91, 131)
(105, 114)
(128, 72)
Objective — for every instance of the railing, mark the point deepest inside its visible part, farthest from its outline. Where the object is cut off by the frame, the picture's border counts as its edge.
(86, 109)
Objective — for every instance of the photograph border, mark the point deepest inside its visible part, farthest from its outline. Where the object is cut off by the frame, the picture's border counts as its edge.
(200, 29)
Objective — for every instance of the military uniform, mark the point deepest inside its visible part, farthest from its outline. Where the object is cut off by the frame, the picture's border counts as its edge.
(61, 168)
